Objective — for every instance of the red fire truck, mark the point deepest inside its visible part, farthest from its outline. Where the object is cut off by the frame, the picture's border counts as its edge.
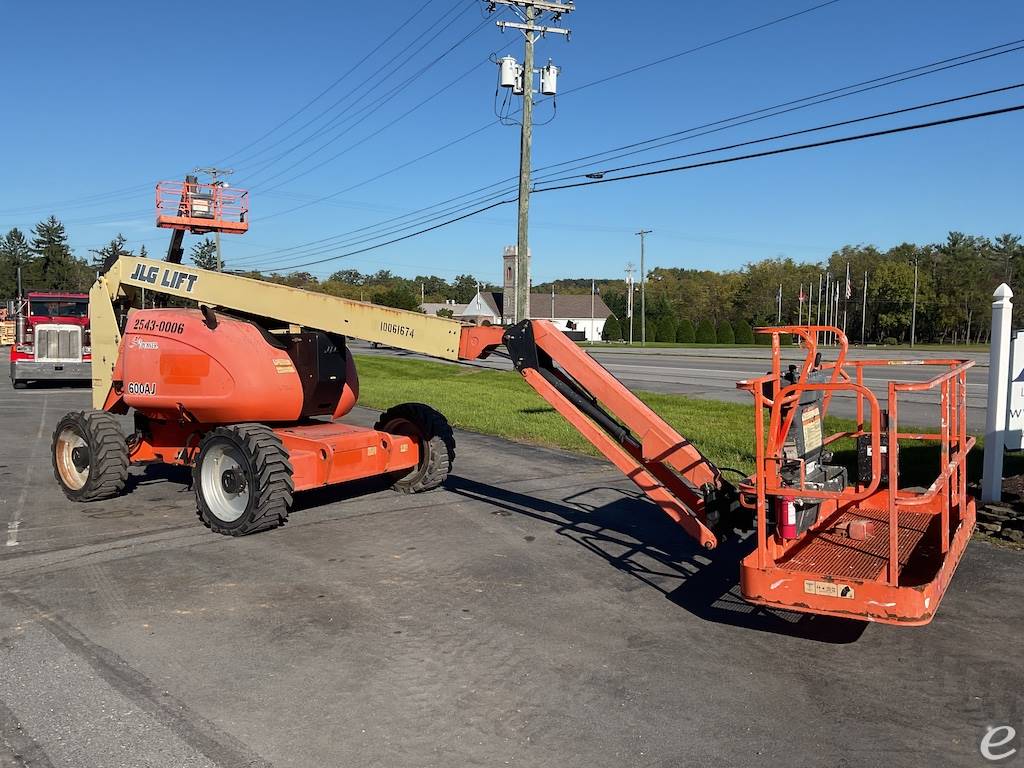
(52, 341)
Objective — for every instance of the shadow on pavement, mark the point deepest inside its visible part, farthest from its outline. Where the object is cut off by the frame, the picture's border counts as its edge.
(636, 538)
(182, 477)
(74, 384)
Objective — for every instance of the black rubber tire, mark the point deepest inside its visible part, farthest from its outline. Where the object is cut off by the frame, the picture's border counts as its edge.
(19, 384)
(437, 444)
(268, 473)
(107, 455)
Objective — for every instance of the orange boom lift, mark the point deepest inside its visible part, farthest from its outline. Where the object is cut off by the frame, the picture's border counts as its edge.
(248, 389)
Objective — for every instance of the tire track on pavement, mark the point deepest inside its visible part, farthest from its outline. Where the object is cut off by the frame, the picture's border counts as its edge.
(15, 521)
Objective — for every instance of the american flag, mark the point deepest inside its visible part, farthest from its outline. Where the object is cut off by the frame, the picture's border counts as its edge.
(849, 288)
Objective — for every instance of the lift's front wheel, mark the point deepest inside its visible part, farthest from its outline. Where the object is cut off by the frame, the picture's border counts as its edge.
(242, 479)
(430, 429)
(90, 456)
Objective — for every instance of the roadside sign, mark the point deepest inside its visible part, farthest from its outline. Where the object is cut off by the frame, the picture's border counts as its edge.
(1015, 402)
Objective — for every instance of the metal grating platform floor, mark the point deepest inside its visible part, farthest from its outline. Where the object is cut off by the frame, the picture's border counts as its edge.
(831, 552)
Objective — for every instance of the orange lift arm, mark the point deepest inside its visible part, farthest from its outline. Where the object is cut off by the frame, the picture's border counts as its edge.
(667, 467)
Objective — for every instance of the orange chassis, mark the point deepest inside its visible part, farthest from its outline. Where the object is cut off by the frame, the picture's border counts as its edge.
(320, 454)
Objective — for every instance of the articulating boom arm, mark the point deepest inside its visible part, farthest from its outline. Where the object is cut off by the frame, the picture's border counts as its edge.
(667, 467)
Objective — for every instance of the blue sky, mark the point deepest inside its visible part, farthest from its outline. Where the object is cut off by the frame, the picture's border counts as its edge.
(110, 97)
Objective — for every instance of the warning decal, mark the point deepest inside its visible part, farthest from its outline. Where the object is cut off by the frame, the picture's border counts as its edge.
(811, 418)
(828, 588)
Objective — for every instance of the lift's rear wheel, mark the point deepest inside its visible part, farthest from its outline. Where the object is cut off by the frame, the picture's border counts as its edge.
(242, 480)
(437, 444)
(90, 456)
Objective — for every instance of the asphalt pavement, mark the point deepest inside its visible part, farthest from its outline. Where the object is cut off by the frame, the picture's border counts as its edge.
(534, 612)
(713, 373)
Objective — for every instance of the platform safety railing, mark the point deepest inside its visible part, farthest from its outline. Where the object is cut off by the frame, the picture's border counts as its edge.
(195, 200)
(949, 487)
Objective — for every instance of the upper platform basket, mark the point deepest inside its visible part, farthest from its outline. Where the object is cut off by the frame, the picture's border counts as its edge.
(201, 208)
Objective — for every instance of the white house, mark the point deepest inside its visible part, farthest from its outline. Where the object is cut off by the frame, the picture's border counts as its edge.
(567, 312)
(432, 308)
(574, 314)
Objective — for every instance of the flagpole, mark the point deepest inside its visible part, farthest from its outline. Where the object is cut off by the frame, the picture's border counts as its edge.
(800, 306)
(847, 293)
(828, 301)
(629, 301)
(831, 309)
(864, 309)
(835, 311)
(824, 311)
(817, 318)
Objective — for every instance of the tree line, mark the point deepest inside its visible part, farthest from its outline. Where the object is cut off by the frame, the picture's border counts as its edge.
(48, 263)
(955, 280)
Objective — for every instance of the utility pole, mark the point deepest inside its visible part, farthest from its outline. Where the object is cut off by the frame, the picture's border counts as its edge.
(643, 233)
(913, 312)
(629, 299)
(215, 174)
(19, 319)
(521, 81)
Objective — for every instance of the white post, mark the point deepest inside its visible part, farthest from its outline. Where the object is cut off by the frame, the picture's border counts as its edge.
(998, 395)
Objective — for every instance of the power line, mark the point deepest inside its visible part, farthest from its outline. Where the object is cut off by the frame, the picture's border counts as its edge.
(391, 36)
(422, 7)
(786, 107)
(790, 134)
(760, 114)
(103, 197)
(402, 166)
(376, 106)
(624, 73)
(75, 202)
(396, 64)
(798, 147)
(703, 46)
(100, 198)
(705, 164)
(462, 207)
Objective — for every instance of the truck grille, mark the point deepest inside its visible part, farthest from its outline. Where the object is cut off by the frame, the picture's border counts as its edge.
(60, 343)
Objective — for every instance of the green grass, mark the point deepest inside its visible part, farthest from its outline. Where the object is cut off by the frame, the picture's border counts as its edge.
(666, 345)
(947, 348)
(939, 347)
(501, 403)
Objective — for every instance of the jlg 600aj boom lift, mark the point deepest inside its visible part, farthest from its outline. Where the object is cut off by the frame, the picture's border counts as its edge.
(238, 388)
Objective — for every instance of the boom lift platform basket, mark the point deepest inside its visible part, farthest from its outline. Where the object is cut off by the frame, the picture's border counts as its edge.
(870, 548)
(201, 208)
